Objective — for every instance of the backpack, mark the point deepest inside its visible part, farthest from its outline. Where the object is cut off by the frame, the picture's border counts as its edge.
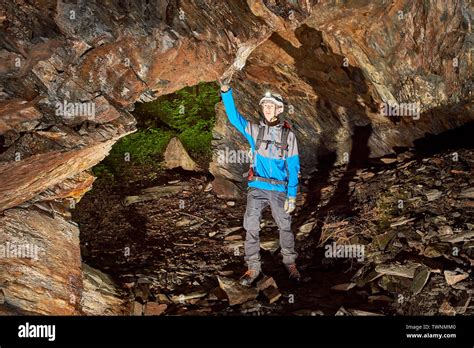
(282, 144)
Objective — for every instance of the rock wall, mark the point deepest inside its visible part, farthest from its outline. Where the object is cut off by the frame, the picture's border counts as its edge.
(71, 72)
(338, 67)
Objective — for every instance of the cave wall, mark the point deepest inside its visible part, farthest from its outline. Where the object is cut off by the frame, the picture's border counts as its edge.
(115, 53)
(337, 68)
(111, 54)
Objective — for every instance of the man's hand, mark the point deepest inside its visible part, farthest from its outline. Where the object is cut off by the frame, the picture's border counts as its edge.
(225, 88)
(290, 205)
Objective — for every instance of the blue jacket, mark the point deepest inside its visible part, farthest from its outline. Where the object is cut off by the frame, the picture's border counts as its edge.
(267, 162)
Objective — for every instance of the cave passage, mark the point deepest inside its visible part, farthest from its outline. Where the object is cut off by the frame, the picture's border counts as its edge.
(180, 243)
(171, 248)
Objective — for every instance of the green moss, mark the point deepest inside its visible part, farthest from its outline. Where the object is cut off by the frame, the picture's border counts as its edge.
(102, 171)
(197, 139)
(144, 146)
(188, 114)
(387, 208)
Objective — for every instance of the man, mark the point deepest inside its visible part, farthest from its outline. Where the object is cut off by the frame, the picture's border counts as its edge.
(273, 179)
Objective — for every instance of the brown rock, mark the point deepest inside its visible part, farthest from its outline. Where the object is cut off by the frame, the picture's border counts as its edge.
(384, 239)
(100, 295)
(153, 193)
(218, 294)
(407, 271)
(272, 294)
(162, 298)
(432, 251)
(153, 308)
(37, 278)
(342, 312)
(236, 293)
(379, 298)
(458, 237)
(447, 309)
(463, 304)
(225, 189)
(182, 298)
(421, 276)
(467, 193)
(176, 156)
(388, 160)
(137, 309)
(234, 237)
(307, 227)
(265, 282)
(20, 115)
(453, 277)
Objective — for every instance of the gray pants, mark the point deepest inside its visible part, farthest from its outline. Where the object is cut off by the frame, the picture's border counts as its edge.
(257, 199)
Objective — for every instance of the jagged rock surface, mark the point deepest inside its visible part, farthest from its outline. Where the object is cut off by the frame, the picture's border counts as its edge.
(112, 55)
(337, 68)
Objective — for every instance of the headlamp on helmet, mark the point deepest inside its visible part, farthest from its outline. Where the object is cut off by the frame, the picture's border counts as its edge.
(272, 98)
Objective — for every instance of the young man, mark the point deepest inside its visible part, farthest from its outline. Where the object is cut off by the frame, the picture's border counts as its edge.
(273, 179)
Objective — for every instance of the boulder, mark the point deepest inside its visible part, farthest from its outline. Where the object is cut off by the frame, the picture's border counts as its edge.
(176, 156)
(236, 293)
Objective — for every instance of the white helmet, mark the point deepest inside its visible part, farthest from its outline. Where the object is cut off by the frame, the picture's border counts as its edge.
(274, 98)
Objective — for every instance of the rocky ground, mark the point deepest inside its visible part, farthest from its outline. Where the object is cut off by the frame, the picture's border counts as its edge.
(176, 249)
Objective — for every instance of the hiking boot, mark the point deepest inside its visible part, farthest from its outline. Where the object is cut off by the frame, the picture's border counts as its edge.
(294, 274)
(248, 278)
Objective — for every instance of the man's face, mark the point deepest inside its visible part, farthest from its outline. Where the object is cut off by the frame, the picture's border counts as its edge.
(270, 111)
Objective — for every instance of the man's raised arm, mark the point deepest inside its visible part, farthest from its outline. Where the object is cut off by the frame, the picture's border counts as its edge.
(235, 118)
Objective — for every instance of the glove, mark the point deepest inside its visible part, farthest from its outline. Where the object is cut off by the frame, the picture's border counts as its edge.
(290, 205)
(225, 80)
(225, 88)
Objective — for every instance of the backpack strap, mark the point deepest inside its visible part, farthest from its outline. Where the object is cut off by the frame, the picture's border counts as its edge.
(259, 141)
(283, 144)
(261, 130)
(285, 131)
